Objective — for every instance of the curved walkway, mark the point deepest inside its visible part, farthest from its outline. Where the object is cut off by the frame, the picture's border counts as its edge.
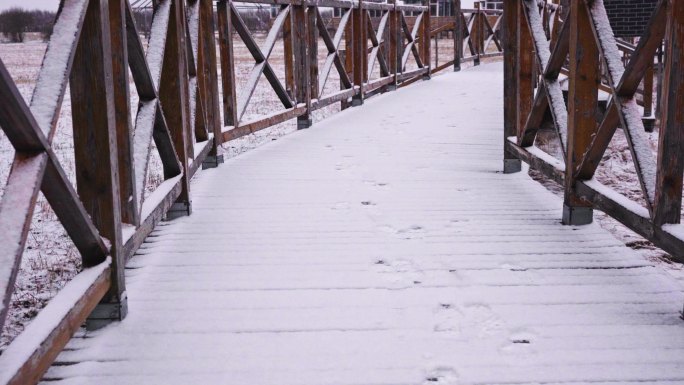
(383, 246)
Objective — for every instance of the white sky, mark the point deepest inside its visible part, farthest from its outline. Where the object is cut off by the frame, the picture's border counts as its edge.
(50, 5)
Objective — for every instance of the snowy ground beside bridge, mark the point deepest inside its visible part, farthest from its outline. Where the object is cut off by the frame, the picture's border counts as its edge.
(383, 246)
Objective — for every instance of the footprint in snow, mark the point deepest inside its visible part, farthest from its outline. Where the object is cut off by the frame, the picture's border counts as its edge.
(442, 375)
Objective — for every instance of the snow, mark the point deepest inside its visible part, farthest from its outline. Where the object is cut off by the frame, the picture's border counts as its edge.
(157, 43)
(47, 320)
(156, 197)
(384, 246)
(53, 76)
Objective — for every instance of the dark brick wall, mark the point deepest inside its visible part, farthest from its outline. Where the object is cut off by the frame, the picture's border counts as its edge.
(629, 17)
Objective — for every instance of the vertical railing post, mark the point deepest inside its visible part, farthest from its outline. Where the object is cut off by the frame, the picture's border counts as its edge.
(668, 197)
(458, 35)
(360, 47)
(289, 57)
(95, 146)
(425, 48)
(511, 163)
(225, 27)
(122, 111)
(312, 31)
(475, 33)
(394, 41)
(300, 38)
(524, 69)
(582, 104)
(348, 56)
(174, 97)
(207, 38)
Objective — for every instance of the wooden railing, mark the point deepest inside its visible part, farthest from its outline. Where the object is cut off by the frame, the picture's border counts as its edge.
(476, 32)
(534, 98)
(186, 111)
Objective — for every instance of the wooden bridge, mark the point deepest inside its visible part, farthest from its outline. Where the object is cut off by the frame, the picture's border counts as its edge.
(388, 244)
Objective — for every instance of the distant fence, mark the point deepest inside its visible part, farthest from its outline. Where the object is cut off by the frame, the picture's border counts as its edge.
(94, 45)
(583, 48)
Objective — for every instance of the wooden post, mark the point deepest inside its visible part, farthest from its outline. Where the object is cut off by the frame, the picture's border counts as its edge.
(511, 164)
(475, 33)
(582, 104)
(348, 56)
(668, 197)
(394, 40)
(425, 46)
(301, 63)
(458, 35)
(289, 57)
(360, 47)
(227, 63)
(95, 146)
(312, 31)
(173, 94)
(122, 111)
(524, 70)
(207, 37)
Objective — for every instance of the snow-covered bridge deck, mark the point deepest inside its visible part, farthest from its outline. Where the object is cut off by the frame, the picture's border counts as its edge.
(383, 246)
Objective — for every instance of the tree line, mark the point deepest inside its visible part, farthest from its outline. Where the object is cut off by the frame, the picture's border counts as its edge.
(16, 22)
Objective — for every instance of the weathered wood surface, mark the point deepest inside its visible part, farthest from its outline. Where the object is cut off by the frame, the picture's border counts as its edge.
(400, 254)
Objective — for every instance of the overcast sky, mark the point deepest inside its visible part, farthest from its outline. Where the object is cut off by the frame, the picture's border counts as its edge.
(50, 5)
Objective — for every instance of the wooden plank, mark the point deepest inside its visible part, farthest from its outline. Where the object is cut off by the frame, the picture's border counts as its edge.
(259, 124)
(33, 352)
(334, 98)
(668, 197)
(95, 145)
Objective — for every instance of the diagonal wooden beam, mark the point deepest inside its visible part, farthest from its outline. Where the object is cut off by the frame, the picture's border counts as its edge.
(554, 93)
(261, 56)
(333, 46)
(376, 39)
(54, 74)
(627, 87)
(142, 77)
(628, 112)
(492, 33)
